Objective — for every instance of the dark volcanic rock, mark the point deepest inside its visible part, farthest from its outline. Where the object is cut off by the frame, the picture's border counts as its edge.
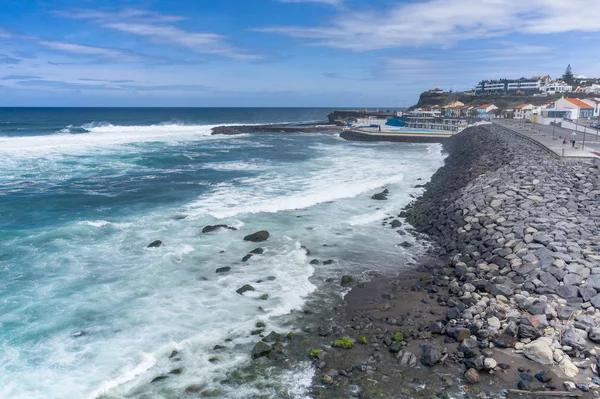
(155, 244)
(245, 288)
(261, 349)
(382, 196)
(430, 355)
(209, 229)
(259, 236)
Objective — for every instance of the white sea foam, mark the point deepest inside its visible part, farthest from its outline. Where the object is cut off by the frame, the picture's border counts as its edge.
(336, 175)
(133, 304)
(101, 135)
(126, 375)
(98, 223)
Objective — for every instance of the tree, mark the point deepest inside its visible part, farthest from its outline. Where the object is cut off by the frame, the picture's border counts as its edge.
(568, 76)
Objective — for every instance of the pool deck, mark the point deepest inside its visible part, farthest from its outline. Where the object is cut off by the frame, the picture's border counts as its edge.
(542, 135)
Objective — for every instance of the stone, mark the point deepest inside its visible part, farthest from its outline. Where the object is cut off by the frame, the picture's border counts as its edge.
(543, 376)
(593, 281)
(273, 337)
(489, 363)
(259, 236)
(496, 203)
(504, 341)
(472, 376)
(348, 281)
(210, 229)
(430, 355)
(549, 280)
(407, 359)
(382, 196)
(542, 238)
(595, 301)
(155, 244)
(494, 323)
(574, 337)
(572, 279)
(395, 224)
(539, 351)
(468, 347)
(594, 334)
(246, 258)
(587, 293)
(567, 291)
(567, 367)
(245, 288)
(223, 269)
(257, 251)
(261, 349)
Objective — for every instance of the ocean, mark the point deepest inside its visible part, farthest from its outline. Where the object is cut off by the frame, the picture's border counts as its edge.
(87, 310)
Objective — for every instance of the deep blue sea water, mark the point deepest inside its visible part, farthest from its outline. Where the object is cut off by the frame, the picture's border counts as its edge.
(87, 310)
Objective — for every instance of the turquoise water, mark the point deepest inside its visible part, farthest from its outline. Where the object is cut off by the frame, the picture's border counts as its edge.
(87, 309)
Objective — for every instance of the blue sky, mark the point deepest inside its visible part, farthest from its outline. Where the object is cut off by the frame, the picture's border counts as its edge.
(360, 53)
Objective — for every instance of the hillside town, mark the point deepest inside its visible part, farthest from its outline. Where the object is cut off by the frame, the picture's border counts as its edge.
(539, 99)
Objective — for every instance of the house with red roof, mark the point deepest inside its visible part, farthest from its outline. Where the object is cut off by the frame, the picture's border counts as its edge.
(581, 108)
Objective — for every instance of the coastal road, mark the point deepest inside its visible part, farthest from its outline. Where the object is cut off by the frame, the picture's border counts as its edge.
(592, 141)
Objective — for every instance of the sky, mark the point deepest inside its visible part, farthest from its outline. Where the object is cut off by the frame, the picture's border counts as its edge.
(282, 53)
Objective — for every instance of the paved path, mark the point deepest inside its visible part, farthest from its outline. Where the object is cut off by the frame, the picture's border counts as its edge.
(552, 137)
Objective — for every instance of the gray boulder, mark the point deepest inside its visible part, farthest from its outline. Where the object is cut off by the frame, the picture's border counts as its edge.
(259, 236)
(574, 338)
(261, 349)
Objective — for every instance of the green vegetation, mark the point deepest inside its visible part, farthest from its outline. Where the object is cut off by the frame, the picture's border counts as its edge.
(315, 353)
(345, 343)
(568, 76)
(362, 340)
(290, 336)
(398, 337)
(502, 101)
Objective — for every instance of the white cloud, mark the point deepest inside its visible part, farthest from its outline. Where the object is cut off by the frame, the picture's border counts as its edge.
(443, 23)
(89, 50)
(156, 27)
(126, 14)
(202, 43)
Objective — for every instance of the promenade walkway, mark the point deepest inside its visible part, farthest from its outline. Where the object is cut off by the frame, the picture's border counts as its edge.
(552, 138)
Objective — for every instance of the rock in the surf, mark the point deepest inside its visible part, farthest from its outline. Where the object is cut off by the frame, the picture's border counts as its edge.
(245, 288)
(261, 349)
(259, 236)
(155, 244)
(209, 229)
(382, 196)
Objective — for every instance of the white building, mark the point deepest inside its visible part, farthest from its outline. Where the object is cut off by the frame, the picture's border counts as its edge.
(593, 89)
(556, 87)
(523, 111)
(595, 102)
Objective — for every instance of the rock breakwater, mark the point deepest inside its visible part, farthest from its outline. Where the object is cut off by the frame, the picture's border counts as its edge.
(508, 297)
(518, 240)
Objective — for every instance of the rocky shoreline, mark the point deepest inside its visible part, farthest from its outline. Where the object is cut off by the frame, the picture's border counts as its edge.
(507, 299)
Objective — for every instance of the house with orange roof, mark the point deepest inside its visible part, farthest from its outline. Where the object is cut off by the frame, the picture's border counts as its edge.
(485, 111)
(581, 108)
(523, 111)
